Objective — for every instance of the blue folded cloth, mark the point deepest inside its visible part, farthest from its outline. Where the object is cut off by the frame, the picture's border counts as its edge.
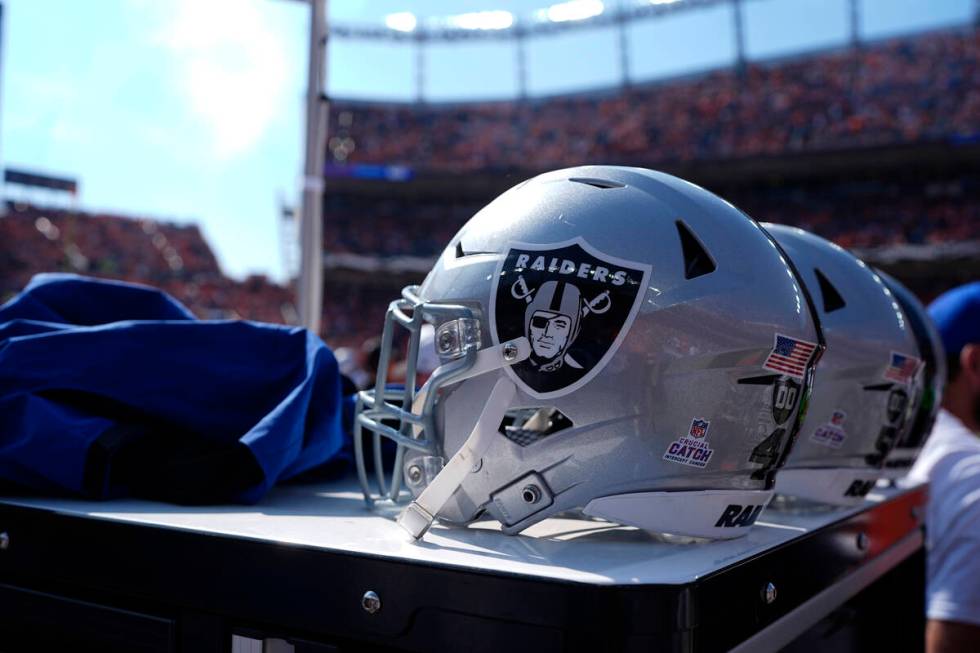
(110, 388)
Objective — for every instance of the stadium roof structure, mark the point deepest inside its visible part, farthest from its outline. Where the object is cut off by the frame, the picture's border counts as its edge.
(40, 180)
(568, 15)
(504, 25)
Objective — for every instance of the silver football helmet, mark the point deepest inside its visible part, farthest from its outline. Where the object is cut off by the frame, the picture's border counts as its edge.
(928, 395)
(611, 339)
(860, 406)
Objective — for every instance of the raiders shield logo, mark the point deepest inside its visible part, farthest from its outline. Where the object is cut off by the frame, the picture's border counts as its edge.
(573, 303)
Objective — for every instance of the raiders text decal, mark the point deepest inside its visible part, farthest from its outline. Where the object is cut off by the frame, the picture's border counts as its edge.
(737, 516)
(573, 303)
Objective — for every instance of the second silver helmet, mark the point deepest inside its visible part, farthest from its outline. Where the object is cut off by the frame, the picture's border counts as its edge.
(860, 405)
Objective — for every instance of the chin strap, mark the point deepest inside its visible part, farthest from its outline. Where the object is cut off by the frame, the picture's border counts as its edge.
(419, 515)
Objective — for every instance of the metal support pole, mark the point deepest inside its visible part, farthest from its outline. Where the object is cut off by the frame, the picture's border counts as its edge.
(521, 43)
(624, 47)
(855, 6)
(739, 34)
(419, 69)
(310, 291)
(3, 182)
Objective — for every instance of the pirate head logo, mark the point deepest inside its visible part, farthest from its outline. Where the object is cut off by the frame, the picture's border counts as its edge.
(573, 303)
(552, 322)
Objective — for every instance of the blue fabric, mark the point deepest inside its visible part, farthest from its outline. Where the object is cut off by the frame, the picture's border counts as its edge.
(109, 388)
(957, 316)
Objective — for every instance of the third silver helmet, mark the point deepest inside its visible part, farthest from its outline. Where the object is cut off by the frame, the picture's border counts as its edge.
(928, 390)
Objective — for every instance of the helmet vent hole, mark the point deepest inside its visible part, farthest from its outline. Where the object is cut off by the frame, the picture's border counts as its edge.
(832, 299)
(525, 426)
(460, 252)
(597, 183)
(697, 261)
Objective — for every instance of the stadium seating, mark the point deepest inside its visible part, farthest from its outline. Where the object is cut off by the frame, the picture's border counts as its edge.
(908, 90)
(912, 93)
(853, 215)
(173, 257)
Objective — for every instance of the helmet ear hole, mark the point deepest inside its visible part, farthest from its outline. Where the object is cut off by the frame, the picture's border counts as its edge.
(697, 261)
(832, 299)
(525, 426)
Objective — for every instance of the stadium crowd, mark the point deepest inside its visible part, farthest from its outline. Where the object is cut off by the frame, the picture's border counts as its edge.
(173, 257)
(908, 90)
(356, 224)
(179, 260)
(874, 214)
(866, 215)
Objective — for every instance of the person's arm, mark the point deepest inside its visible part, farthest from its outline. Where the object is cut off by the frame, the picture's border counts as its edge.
(951, 637)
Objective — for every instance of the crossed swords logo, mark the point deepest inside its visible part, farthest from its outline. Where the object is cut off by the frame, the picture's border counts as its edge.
(596, 306)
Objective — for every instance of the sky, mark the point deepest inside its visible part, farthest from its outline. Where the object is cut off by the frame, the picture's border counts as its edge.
(192, 110)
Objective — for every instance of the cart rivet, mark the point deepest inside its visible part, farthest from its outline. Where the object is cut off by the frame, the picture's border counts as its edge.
(414, 474)
(769, 593)
(510, 351)
(862, 541)
(531, 494)
(371, 602)
(4, 541)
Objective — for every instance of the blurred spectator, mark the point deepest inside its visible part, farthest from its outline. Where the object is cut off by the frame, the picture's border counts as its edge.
(950, 462)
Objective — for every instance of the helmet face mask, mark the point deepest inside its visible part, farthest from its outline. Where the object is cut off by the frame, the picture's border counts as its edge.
(458, 341)
(860, 405)
(626, 362)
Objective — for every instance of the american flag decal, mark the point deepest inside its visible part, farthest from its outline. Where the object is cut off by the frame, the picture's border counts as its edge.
(902, 368)
(790, 356)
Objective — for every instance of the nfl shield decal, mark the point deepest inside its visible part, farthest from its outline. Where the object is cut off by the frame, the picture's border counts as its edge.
(572, 302)
(694, 449)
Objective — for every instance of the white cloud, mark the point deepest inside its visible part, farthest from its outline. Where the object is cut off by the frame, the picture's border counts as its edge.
(232, 67)
(65, 132)
(47, 89)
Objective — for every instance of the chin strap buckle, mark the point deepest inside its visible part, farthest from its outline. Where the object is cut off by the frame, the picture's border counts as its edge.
(416, 520)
